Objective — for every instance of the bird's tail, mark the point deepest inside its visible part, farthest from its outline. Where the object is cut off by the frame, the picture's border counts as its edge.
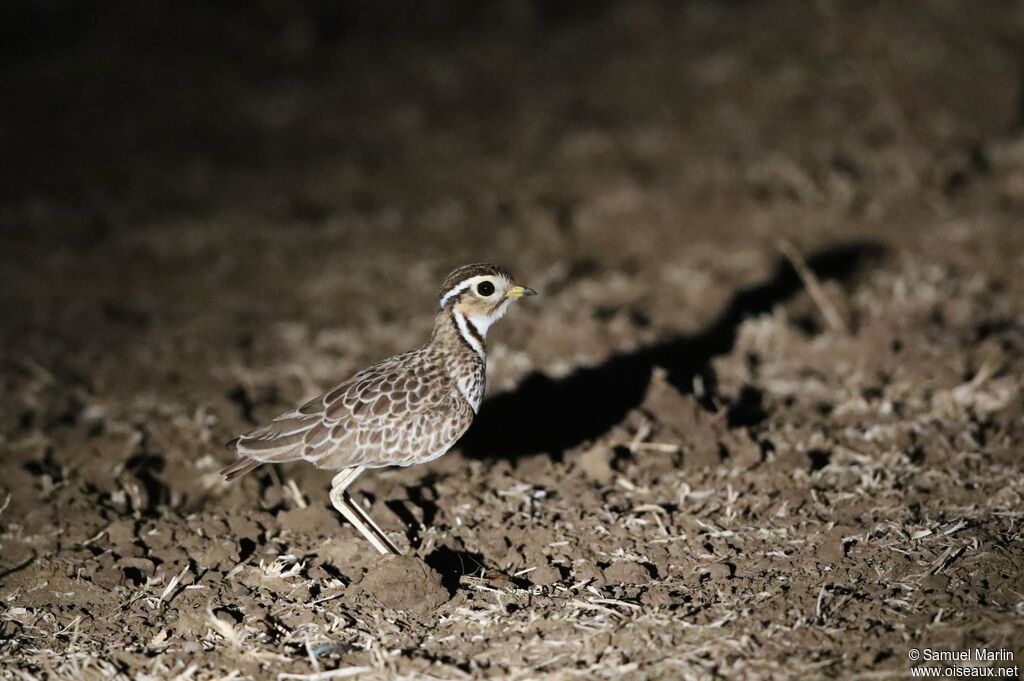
(243, 465)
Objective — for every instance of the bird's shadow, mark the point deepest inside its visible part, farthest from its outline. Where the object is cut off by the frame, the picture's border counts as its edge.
(553, 415)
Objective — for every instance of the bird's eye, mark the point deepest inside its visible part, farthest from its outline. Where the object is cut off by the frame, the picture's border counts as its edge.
(485, 288)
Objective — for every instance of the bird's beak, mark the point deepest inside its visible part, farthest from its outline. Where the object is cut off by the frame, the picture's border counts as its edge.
(520, 291)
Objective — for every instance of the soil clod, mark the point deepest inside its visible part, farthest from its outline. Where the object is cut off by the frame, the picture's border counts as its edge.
(407, 584)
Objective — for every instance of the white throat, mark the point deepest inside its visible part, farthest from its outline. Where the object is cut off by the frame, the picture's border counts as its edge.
(483, 322)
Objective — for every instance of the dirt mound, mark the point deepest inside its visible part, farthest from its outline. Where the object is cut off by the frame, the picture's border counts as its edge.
(405, 583)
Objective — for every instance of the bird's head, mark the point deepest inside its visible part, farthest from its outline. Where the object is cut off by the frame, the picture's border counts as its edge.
(481, 293)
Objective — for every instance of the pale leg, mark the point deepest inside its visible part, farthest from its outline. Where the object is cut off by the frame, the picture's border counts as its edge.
(355, 514)
(365, 517)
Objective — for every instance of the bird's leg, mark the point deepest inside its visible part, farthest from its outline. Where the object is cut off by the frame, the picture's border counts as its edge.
(354, 514)
(365, 517)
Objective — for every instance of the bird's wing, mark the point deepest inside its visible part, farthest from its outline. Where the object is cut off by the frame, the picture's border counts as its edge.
(363, 421)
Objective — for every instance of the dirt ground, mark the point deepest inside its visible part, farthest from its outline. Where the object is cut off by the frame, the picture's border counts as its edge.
(694, 461)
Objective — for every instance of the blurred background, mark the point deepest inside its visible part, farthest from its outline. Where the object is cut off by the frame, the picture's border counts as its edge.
(202, 173)
(210, 211)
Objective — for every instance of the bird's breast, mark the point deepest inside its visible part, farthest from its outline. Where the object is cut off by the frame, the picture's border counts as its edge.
(470, 378)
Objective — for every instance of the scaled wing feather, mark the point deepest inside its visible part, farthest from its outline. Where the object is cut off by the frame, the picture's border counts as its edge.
(381, 416)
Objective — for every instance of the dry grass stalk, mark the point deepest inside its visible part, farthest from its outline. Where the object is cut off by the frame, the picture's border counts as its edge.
(833, 319)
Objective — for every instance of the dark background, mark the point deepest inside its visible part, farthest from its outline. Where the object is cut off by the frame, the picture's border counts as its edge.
(210, 212)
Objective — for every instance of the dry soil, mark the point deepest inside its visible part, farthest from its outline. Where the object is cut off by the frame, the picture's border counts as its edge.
(763, 421)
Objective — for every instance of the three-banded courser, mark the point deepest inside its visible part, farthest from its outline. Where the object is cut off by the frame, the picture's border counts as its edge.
(408, 409)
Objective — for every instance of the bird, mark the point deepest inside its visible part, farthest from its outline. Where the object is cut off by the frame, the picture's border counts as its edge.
(408, 409)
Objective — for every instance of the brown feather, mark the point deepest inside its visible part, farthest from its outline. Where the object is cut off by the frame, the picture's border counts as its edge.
(240, 468)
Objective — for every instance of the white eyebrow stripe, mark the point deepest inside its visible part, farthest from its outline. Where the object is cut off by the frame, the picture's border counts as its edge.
(455, 290)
